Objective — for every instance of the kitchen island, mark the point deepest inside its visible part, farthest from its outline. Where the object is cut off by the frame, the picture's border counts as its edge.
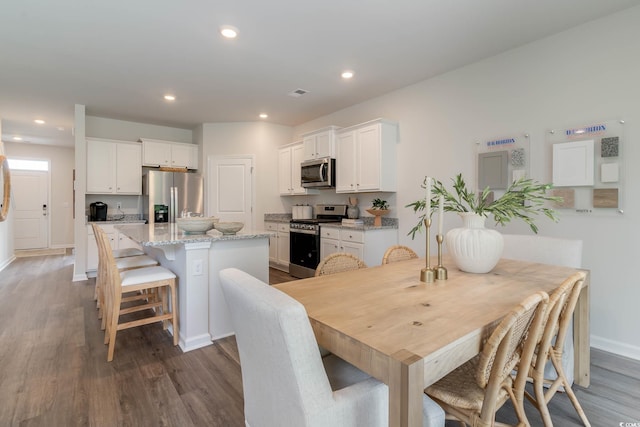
(197, 259)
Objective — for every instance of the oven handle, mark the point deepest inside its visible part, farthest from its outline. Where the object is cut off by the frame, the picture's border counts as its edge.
(297, 230)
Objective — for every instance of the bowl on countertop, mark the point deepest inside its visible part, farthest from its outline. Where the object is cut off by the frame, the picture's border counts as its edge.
(228, 228)
(196, 225)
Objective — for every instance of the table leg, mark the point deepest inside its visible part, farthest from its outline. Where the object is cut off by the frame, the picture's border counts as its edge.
(406, 385)
(581, 339)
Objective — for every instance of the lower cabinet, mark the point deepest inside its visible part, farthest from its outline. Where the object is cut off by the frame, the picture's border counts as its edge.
(117, 240)
(368, 245)
(279, 245)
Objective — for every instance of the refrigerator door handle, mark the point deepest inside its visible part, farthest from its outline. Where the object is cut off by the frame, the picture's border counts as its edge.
(172, 205)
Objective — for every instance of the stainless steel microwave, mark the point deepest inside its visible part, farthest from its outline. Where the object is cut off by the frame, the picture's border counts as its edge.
(318, 173)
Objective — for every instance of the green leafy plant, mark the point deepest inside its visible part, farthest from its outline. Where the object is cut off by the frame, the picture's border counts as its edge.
(379, 204)
(524, 199)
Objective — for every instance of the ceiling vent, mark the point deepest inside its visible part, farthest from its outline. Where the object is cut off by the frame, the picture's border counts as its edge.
(298, 93)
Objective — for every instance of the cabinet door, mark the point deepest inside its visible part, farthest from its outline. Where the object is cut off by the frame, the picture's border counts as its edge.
(297, 156)
(124, 242)
(328, 247)
(156, 153)
(128, 169)
(325, 144)
(273, 241)
(309, 143)
(101, 167)
(283, 248)
(368, 158)
(180, 155)
(284, 171)
(345, 163)
(355, 249)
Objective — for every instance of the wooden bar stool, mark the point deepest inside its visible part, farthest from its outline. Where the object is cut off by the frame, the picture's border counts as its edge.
(154, 308)
(123, 263)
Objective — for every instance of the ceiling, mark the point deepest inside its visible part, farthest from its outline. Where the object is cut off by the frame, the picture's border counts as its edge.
(119, 57)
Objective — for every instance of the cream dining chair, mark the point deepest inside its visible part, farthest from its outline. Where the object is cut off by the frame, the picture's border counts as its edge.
(553, 251)
(285, 381)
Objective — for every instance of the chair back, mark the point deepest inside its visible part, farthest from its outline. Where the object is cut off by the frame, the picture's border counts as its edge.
(339, 262)
(543, 249)
(282, 373)
(511, 344)
(398, 253)
(111, 284)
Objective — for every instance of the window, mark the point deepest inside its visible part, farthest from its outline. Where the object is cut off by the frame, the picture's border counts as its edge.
(28, 165)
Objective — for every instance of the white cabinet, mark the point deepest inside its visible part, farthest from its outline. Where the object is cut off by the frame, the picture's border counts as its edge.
(156, 152)
(289, 179)
(368, 245)
(279, 245)
(113, 167)
(320, 143)
(117, 240)
(366, 157)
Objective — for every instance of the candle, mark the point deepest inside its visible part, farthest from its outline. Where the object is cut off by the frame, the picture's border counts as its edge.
(428, 200)
(440, 214)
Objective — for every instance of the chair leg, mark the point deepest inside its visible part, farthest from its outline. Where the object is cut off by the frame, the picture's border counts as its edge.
(165, 305)
(556, 359)
(540, 399)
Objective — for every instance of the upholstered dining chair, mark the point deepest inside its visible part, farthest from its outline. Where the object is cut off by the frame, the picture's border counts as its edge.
(126, 259)
(285, 381)
(562, 303)
(553, 251)
(339, 262)
(473, 392)
(150, 286)
(398, 253)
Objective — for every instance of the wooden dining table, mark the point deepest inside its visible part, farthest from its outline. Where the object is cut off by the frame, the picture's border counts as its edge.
(409, 334)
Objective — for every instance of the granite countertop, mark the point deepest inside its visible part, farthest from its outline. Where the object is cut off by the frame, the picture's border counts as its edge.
(387, 223)
(169, 234)
(277, 217)
(120, 219)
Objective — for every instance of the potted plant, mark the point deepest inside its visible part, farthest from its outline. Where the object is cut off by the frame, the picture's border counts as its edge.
(378, 208)
(524, 199)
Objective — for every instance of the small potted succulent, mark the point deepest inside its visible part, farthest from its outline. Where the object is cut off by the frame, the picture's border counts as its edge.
(378, 208)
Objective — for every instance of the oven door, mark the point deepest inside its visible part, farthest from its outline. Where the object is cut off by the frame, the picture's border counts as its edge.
(304, 252)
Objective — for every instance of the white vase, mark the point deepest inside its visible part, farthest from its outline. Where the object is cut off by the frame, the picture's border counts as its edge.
(474, 249)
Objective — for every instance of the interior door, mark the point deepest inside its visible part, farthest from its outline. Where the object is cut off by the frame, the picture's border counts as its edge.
(230, 189)
(31, 208)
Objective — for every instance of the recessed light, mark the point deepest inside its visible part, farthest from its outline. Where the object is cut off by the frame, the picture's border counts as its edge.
(169, 97)
(17, 138)
(347, 74)
(39, 121)
(263, 115)
(229, 31)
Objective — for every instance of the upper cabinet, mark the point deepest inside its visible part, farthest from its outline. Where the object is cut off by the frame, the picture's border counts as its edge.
(366, 157)
(113, 167)
(289, 178)
(320, 143)
(169, 154)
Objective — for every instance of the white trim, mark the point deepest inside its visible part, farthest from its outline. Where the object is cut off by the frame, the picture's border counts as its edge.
(79, 277)
(7, 262)
(196, 342)
(616, 347)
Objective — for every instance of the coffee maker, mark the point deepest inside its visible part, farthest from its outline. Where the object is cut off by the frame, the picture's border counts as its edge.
(98, 211)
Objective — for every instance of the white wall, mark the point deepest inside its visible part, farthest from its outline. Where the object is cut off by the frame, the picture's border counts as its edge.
(100, 127)
(61, 161)
(251, 138)
(6, 228)
(583, 75)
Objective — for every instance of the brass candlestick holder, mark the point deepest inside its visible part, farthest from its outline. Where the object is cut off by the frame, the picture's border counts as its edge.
(427, 274)
(441, 271)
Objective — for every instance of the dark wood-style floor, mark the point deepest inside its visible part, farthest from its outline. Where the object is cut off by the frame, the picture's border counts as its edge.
(53, 368)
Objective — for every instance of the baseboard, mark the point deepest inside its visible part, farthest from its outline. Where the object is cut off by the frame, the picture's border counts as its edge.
(79, 277)
(616, 347)
(7, 262)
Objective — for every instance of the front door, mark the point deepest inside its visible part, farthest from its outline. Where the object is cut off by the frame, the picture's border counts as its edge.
(230, 189)
(31, 208)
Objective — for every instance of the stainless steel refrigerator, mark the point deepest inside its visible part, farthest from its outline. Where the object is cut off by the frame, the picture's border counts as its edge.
(166, 195)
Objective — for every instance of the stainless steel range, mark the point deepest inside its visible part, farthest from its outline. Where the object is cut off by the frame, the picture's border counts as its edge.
(305, 239)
